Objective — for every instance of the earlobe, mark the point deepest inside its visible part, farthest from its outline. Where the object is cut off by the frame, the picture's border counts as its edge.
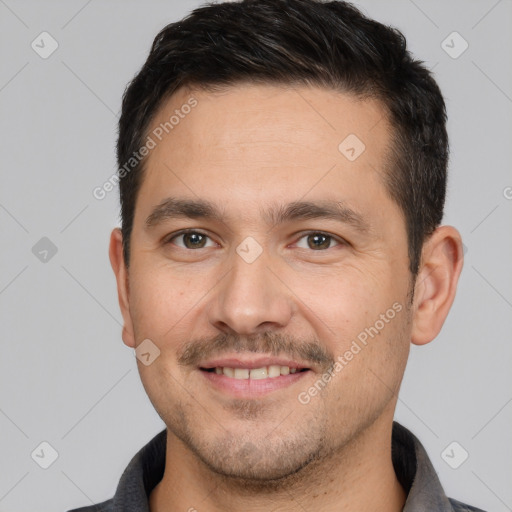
(436, 283)
(121, 273)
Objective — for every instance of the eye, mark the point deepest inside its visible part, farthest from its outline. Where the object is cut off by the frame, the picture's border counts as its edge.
(190, 240)
(318, 241)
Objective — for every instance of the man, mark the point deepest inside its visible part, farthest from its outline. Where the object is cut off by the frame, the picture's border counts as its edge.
(282, 171)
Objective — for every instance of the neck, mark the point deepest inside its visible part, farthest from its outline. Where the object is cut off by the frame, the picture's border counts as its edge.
(360, 477)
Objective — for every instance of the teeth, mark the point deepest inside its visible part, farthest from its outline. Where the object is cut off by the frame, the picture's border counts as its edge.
(264, 372)
(258, 373)
(228, 372)
(274, 371)
(241, 373)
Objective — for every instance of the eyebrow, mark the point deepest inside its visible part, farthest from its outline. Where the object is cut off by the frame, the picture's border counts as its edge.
(175, 208)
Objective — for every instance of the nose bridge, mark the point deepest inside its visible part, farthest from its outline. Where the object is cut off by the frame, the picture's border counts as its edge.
(250, 297)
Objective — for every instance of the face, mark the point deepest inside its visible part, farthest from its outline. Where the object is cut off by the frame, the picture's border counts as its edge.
(269, 267)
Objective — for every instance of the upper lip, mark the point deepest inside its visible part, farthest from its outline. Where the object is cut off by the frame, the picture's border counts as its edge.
(252, 362)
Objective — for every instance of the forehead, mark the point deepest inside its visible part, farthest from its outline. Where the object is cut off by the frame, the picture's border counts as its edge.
(264, 142)
(311, 117)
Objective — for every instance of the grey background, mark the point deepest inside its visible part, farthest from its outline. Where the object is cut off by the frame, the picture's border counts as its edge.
(67, 378)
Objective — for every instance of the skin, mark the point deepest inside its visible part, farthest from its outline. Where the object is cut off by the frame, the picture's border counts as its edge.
(245, 149)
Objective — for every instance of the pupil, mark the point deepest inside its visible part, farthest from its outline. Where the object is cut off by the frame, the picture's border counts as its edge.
(318, 238)
(194, 239)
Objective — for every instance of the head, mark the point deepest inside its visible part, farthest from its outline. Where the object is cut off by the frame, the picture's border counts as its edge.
(305, 151)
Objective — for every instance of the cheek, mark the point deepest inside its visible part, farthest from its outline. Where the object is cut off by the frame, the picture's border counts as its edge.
(344, 301)
(370, 361)
(161, 299)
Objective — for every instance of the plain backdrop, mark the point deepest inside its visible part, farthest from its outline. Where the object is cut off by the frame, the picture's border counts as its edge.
(66, 377)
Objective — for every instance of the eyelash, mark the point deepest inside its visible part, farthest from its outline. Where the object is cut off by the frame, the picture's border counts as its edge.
(169, 239)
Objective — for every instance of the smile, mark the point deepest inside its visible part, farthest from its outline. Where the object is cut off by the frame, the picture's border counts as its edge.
(265, 372)
(240, 382)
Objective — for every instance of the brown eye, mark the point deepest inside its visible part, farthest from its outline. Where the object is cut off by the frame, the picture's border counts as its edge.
(317, 241)
(190, 240)
(194, 240)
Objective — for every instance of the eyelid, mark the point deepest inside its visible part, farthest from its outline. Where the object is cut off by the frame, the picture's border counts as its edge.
(168, 239)
(302, 234)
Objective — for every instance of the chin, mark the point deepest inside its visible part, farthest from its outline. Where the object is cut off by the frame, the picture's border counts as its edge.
(263, 462)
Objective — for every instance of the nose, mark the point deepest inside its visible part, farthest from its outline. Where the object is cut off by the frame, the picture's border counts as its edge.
(250, 298)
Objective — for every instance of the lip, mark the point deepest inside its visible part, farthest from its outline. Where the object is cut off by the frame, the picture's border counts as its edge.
(251, 388)
(251, 363)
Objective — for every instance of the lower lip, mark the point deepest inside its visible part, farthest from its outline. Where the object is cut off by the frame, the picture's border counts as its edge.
(250, 388)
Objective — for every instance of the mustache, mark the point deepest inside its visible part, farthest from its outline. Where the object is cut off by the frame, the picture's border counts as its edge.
(268, 343)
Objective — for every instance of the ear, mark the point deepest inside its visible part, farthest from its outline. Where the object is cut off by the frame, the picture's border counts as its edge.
(442, 259)
(123, 291)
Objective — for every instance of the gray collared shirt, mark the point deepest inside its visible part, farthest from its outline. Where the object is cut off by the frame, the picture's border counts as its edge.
(412, 466)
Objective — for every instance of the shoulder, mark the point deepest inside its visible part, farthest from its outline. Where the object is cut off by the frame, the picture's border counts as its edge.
(105, 506)
(462, 507)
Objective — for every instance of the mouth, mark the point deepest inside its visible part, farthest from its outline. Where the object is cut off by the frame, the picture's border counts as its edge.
(252, 378)
(265, 372)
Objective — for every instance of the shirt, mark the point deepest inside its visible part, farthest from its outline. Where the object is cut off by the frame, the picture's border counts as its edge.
(410, 460)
